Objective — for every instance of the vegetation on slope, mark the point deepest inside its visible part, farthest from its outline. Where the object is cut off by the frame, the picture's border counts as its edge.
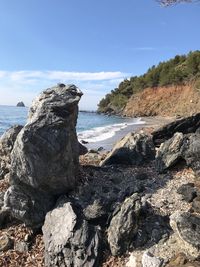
(177, 71)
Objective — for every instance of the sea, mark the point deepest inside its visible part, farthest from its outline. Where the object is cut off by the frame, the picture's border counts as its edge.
(91, 127)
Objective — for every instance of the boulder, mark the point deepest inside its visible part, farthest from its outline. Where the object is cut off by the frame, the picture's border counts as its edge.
(82, 149)
(7, 141)
(69, 239)
(6, 242)
(27, 204)
(188, 192)
(184, 125)
(170, 152)
(133, 149)
(187, 227)
(192, 152)
(45, 154)
(124, 225)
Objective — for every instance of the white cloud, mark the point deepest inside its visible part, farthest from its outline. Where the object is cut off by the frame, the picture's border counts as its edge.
(25, 85)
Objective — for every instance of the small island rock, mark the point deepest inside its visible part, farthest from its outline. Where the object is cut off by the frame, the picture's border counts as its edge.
(20, 104)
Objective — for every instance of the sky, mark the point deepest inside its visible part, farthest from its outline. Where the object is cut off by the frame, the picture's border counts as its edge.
(93, 44)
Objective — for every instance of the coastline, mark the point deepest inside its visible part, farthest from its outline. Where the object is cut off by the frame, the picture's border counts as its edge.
(149, 122)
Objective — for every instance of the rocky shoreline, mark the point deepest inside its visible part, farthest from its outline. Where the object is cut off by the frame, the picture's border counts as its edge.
(137, 206)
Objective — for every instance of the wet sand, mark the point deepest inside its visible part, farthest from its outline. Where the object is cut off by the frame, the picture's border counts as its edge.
(151, 122)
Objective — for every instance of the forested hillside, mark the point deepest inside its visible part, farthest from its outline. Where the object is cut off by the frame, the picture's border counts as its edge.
(179, 71)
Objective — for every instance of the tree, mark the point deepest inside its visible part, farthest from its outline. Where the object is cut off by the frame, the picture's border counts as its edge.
(171, 2)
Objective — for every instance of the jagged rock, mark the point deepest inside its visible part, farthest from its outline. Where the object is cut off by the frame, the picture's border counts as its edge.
(188, 192)
(7, 141)
(185, 126)
(45, 154)
(69, 239)
(133, 149)
(124, 225)
(82, 149)
(169, 152)
(149, 260)
(196, 204)
(6, 243)
(187, 226)
(192, 152)
(20, 104)
(28, 204)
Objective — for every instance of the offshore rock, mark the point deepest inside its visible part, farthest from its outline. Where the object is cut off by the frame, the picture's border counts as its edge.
(169, 152)
(124, 225)
(20, 104)
(133, 149)
(187, 226)
(27, 204)
(45, 154)
(70, 241)
(7, 141)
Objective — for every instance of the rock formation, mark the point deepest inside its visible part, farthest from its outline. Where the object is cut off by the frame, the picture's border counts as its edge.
(69, 239)
(44, 159)
(7, 141)
(133, 149)
(20, 104)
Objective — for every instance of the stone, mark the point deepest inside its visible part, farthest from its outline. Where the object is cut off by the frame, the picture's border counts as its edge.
(28, 204)
(133, 149)
(82, 149)
(178, 260)
(149, 260)
(192, 152)
(124, 225)
(132, 262)
(69, 239)
(169, 153)
(46, 152)
(20, 104)
(196, 204)
(187, 226)
(7, 141)
(188, 192)
(22, 246)
(184, 125)
(6, 242)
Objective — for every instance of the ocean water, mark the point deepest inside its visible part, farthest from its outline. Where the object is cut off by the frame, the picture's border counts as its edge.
(91, 127)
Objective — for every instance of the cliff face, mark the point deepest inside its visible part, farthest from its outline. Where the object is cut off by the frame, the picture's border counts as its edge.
(164, 101)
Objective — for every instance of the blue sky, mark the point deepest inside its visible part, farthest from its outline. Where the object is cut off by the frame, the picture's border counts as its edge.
(93, 44)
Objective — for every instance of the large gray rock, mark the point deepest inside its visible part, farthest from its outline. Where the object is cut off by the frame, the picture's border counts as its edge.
(27, 204)
(133, 149)
(149, 260)
(179, 147)
(187, 227)
(69, 239)
(124, 225)
(7, 141)
(185, 125)
(170, 152)
(45, 154)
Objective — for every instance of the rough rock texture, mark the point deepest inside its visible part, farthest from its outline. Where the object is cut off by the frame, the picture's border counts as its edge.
(45, 154)
(188, 192)
(133, 149)
(124, 225)
(179, 147)
(5, 243)
(185, 126)
(7, 141)
(82, 149)
(192, 152)
(69, 239)
(28, 204)
(148, 260)
(169, 152)
(187, 226)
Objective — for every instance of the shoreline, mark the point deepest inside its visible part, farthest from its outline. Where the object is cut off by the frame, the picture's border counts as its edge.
(149, 122)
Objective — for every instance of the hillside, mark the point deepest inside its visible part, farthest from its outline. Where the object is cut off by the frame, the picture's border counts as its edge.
(170, 88)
